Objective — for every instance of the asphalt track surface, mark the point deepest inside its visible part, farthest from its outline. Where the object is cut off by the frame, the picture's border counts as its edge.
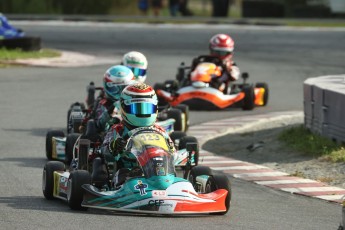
(34, 100)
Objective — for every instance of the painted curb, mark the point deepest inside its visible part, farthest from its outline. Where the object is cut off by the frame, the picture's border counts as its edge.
(259, 174)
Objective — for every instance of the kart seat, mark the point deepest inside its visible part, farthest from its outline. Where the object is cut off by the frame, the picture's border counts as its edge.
(91, 132)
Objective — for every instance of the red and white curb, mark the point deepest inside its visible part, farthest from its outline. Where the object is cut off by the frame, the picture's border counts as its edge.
(259, 174)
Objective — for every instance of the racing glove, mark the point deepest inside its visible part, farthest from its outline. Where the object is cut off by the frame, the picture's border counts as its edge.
(117, 146)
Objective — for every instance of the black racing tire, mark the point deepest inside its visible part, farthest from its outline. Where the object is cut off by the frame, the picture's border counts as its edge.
(220, 181)
(190, 139)
(75, 193)
(249, 98)
(71, 139)
(161, 101)
(49, 145)
(266, 95)
(48, 177)
(176, 136)
(171, 85)
(185, 110)
(177, 115)
(198, 171)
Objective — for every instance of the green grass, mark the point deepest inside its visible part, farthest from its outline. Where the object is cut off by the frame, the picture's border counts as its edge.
(12, 54)
(303, 140)
(315, 24)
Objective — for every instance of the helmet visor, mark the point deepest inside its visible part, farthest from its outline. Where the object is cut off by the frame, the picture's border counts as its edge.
(138, 71)
(114, 88)
(140, 106)
(220, 52)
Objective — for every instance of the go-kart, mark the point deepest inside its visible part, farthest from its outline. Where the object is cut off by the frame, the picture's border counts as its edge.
(7, 30)
(199, 88)
(151, 186)
(12, 38)
(66, 147)
(60, 146)
(170, 118)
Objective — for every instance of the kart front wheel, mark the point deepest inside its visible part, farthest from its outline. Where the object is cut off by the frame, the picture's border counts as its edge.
(49, 141)
(48, 177)
(249, 98)
(176, 114)
(75, 192)
(266, 94)
(219, 181)
(198, 171)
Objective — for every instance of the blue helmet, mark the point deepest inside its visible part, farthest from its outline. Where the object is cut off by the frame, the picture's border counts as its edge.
(115, 79)
(139, 105)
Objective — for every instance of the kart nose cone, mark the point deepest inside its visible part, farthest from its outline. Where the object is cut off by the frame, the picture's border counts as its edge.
(161, 183)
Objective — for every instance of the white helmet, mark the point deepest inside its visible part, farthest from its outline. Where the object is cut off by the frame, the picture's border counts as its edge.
(137, 62)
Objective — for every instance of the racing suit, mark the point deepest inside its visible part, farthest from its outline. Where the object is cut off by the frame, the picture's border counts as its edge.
(230, 71)
(125, 161)
(106, 113)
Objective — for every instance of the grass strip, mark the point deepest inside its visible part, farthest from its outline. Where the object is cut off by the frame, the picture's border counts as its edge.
(302, 139)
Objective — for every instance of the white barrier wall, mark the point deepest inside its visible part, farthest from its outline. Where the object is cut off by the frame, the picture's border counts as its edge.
(324, 106)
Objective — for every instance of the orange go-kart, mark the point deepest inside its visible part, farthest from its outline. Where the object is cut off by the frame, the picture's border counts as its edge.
(199, 88)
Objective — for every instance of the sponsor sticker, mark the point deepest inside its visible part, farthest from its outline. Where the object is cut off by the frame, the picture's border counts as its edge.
(141, 187)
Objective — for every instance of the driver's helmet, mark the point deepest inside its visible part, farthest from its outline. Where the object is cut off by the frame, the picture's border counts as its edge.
(137, 62)
(115, 79)
(139, 105)
(221, 46)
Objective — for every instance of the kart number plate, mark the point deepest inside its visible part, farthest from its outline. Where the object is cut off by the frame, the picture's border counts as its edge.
(159, 193)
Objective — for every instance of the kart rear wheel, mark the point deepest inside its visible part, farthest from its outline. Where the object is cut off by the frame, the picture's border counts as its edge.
(176, 136)
(70, 141)
(161, 101)
(265, 86)
(249, 98)
(48, 177)
(75, 192)
(177, 115)
(219, 181)
(49, 139)
(183, 144)
(185, 110)
(198, 171)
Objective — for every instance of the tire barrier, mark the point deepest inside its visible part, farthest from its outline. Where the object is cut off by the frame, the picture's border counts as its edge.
(324, 106)
(261, 9)
(23, 43)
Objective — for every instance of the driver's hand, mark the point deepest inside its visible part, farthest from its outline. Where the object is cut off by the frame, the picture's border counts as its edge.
(117, 146)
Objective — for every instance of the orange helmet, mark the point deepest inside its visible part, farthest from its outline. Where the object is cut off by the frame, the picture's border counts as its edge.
(205, 71)
(222, 46)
